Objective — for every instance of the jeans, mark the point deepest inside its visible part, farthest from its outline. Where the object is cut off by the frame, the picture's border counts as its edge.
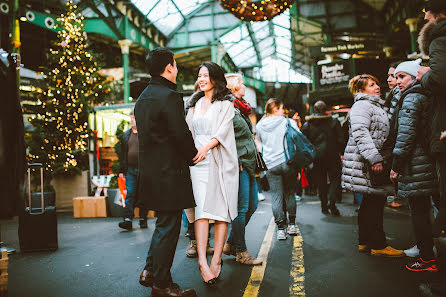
(358, 197)
(162, 248)
(332, 191)
(420, 208)
(370, 221)
(282, 180)
(131, 178)
(247, 205)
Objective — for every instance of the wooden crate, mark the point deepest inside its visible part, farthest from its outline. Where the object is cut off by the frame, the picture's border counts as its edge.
(4, 272)
(150, 214)
(89, 207)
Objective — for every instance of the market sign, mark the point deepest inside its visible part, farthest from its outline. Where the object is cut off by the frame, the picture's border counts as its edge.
(339, 48)
(333, 74)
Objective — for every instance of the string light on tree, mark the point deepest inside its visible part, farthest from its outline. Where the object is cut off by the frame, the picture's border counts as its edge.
(74, 84)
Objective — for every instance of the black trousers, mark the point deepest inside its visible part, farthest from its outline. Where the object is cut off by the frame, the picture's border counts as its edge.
(370, 221)
(332, 191)
(162, 248)
(420, 208)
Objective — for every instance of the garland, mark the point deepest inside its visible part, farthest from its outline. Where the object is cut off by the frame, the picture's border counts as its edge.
(256, 11)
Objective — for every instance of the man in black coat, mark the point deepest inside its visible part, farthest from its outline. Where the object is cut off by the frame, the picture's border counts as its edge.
(166, 149)
(432, 42)
(326, 134)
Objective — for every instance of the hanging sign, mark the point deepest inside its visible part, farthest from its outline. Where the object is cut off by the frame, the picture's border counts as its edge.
(332, 74)
(351, 47)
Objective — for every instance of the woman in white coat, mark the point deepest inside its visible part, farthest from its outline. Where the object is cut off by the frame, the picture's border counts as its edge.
(215, 176)
(369, 128)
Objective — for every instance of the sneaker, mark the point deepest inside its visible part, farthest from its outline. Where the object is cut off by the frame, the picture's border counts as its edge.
(191, 251)
(414, 251)
(142, 224)
(420, 265)
(388, 252)
(291, 230)
(281, 235)
(363, 248)
(390, 199)
(298, 198)
(261, 197)
(126, 224)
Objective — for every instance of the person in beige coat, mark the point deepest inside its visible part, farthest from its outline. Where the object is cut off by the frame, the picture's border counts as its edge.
(215, 178)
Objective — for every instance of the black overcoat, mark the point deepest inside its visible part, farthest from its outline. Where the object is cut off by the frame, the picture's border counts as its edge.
(166, 148)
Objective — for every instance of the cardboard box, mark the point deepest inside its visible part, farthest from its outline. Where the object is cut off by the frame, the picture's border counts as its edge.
(3, 272)
(89, 207)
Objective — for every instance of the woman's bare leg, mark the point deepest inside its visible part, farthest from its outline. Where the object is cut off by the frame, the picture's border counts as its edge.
(220, 234)
(201, 235)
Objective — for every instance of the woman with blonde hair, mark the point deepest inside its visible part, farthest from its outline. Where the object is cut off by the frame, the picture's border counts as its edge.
(247, 193)
(369, 128)
(215, 176)
(281, 177)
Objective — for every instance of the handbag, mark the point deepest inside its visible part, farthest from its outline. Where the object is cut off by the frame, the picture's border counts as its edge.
(380, 178)
(260, 163)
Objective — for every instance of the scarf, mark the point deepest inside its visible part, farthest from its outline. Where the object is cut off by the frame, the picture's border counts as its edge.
(243, 106)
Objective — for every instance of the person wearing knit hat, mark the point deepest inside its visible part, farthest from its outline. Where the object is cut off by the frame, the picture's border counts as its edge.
(406, 73)
(415, 179)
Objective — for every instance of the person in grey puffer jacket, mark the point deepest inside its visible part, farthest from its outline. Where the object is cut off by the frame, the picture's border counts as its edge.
(369, 128)
(281, 177)
(413, 167)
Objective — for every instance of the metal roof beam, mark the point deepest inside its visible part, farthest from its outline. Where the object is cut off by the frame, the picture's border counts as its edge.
(254, 42)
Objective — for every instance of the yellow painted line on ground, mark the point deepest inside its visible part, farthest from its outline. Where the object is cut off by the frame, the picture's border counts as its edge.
(258, 272)
(297, 272)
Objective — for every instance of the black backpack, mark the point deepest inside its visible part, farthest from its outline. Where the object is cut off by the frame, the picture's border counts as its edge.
(320, 143)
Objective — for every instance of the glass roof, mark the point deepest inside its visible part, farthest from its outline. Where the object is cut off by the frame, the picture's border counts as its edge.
(264, 47)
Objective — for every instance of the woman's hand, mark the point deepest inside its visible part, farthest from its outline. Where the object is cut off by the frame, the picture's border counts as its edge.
(121, 175)
(393, 176)
(378, 167)
(201, 155)
(240, 168)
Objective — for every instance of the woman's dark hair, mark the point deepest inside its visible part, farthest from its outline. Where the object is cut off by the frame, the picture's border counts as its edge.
(158, 59)
(390, 95)
(218, 79)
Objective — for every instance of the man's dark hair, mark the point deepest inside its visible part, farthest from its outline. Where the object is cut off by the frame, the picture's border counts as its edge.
(436, 6)
(217, 77)
(320, 107)
(158, 59)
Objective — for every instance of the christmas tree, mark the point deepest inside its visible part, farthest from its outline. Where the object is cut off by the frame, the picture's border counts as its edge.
(73, 85)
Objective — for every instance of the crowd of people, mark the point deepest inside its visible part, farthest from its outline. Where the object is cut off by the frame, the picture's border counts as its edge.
(203, 157)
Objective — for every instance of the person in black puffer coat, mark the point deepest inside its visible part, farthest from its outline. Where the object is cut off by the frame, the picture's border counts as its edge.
(413, 167)
(326, 134)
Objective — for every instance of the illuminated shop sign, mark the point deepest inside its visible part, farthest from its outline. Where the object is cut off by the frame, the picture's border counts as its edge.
(351, 47)
(336, 73)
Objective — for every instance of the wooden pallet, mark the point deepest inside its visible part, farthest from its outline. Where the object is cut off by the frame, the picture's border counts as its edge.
(4, 272)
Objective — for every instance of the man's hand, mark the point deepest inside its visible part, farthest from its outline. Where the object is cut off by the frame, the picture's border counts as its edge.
(422, 71)
(121, 175)
(393, 176)
(443, 136)
(201, 155)
(240, 168)
(378, 167)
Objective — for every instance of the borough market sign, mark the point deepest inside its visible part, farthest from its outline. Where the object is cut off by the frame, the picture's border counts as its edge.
(340, 48)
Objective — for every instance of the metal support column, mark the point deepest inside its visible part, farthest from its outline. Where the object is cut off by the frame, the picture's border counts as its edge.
(125, 46)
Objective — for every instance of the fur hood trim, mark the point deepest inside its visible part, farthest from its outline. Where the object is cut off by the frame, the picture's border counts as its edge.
(428, 33)
(318, 116)
(198, 95)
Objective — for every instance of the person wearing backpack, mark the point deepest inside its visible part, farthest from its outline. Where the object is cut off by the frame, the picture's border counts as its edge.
(327, 137)
(271, 131)
(413, 167)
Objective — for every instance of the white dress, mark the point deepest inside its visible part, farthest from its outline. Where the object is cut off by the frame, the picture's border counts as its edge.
(202, 125)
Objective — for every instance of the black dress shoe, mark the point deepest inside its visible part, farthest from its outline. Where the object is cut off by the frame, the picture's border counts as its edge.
(146, 278)
(335, 211)
(173, 291)
(127, 225)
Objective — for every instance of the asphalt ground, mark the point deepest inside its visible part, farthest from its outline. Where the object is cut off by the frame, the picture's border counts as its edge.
(95, 258)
